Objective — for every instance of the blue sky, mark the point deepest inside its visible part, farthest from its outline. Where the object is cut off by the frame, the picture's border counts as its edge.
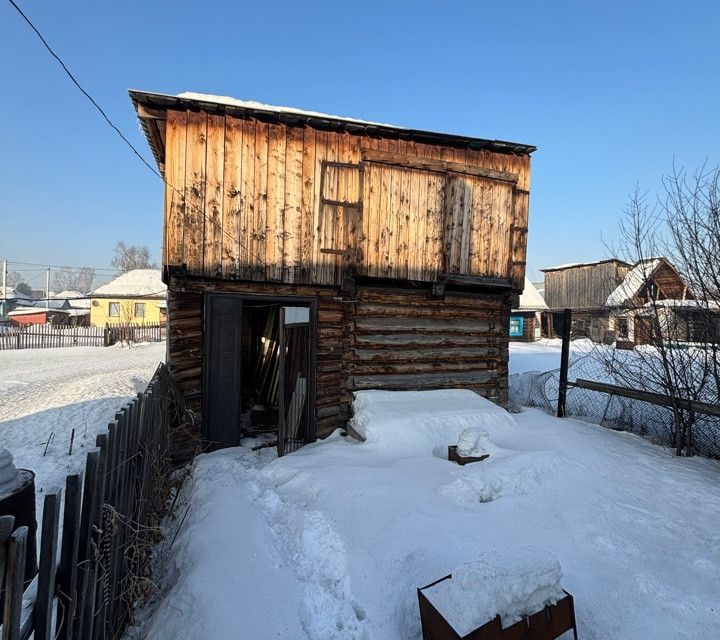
(610, 92)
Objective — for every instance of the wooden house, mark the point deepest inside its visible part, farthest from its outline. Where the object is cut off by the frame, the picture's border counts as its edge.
(136, 297)
(308, 256)
(653, 299)
(584, 288)
(531, 319)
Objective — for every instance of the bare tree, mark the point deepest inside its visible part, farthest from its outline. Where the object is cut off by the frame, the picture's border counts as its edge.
(24, 288)
(71, 279)
(64, 279)
(14, 278)
(85, 279)
(680, 331)
(129, 257)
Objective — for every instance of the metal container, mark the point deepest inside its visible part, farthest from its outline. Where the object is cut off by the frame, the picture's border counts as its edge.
(21, 504)
(454, 456)
(547, 624)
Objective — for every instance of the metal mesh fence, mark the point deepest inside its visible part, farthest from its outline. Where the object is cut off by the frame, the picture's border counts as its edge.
(651, 421)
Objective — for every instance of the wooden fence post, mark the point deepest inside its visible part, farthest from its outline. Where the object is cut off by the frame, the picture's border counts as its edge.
(564, 361)
(67, 571)
(42, 612)
(14, 583)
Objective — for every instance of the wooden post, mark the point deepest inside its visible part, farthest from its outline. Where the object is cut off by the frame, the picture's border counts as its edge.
(67, 571)
(14, 582)
(564, 360)
(42, 612)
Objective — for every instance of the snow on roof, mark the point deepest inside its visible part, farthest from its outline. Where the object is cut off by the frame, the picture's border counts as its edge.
(633, 282)
(146, 283)
(76, 299)
(530, 299)
(252, 104)
(685, 304)
(8, 293)
(24, 311)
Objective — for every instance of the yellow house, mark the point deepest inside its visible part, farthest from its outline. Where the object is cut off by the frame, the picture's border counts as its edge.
(136, 297)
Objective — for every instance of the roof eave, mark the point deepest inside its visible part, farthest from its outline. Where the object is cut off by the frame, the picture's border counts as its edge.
(160, 101)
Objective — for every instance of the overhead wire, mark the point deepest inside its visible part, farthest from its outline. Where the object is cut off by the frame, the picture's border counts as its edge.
(122, 136)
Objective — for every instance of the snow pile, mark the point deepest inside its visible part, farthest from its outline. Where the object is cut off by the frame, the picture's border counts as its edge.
(402, 421)
(513, 585)
(499, 476)
(474, 442)
(10, 478)
(45, 394)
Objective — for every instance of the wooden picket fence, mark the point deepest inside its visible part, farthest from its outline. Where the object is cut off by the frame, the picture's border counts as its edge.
(150, 332)
(111, 515)
(45, 336)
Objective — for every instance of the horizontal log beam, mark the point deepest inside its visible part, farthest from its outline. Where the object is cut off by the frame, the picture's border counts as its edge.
(648, 396)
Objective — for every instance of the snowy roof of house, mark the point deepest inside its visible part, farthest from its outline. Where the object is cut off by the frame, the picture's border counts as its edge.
(76, 299)
(210, 103)
(24, 311)
(633, 282)
(530, 299)
(572, 265)
(138, 283)
(685, 304)
(9, 293)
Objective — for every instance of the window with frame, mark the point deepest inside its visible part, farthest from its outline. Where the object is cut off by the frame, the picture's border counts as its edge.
(114, 309)
(139, 309)
(622, 328)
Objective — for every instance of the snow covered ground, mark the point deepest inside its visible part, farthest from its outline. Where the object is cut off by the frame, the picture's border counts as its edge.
(331, 542)
(52, 391)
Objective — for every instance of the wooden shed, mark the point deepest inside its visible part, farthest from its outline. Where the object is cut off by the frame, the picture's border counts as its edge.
(584, 288)
(308, 256)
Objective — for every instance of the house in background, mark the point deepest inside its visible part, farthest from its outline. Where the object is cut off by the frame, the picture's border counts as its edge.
(584, 288)
(531, 319)
(10, 299)
(41, 313)
(653, 299)
(309, 256)
(135, 297)
(78, 306)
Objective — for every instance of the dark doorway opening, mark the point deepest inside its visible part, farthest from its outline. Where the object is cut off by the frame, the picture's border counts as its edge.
(259, 370)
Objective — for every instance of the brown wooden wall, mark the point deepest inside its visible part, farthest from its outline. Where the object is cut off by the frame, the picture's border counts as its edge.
(292, 204)
(405, 340)
(380, 339)
(583, 286)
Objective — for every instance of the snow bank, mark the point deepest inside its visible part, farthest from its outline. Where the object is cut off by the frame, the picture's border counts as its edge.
(513, 585)
(402, 421)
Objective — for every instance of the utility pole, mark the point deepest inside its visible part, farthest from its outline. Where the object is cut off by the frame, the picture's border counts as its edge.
(4, 285)
(47, 289)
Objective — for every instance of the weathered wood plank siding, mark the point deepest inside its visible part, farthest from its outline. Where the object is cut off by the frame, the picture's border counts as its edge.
(291, 204)
(583, 286)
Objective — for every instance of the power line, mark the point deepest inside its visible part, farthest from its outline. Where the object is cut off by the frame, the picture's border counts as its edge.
(42, 266)
(120, 133)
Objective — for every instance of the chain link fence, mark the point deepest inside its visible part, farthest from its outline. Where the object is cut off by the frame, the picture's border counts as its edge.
(646, 419)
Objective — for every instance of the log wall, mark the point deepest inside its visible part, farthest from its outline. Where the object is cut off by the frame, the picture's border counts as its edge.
(380, 339)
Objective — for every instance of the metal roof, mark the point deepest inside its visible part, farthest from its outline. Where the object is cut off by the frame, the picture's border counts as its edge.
(297, 117)
(573, 265)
